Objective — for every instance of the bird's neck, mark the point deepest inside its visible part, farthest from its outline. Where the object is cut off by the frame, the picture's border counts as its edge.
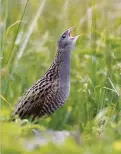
(63, 57)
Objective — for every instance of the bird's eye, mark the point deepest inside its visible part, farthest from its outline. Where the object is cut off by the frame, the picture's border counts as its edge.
(63, 36)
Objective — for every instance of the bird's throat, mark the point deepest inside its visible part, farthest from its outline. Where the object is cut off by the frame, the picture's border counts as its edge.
(64, 70)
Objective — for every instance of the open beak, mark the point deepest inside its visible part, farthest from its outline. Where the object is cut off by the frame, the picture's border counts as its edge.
(69, 33)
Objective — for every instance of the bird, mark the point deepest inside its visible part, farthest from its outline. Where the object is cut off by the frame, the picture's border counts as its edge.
(51, 91)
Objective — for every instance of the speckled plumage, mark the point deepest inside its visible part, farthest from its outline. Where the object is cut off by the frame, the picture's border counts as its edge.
(51, 91)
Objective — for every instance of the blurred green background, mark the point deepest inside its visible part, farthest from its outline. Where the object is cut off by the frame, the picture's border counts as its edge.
(29, 31)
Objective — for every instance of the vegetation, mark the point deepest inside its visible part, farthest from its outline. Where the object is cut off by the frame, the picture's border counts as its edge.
(29, 30)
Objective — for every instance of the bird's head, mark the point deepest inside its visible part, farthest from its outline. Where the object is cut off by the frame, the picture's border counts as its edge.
(66, 41)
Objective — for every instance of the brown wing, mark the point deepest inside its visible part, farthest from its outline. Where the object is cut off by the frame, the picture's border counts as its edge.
(33, 102)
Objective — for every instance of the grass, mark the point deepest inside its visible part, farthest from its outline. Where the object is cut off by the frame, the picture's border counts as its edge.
(29, 32)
